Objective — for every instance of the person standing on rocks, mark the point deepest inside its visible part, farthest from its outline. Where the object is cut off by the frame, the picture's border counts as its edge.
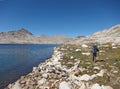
(94, 52)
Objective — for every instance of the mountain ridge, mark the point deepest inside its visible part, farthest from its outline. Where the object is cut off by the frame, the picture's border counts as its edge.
(111, 35)
(23, 36)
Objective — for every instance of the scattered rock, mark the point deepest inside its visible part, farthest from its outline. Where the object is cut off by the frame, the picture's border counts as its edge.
(23, 82)
(85, 77)
(42, 81)
(53, 75)
(45, 75)
(87, 54)
(115, 72)
(101, 73)
(78, 50)
(114, 47)
(96, 68)
(106, 87)
(71, 57)
(96, 86)
(84, 46)
(83, 86)
(16, 86)
(93, 76)
(64, 85)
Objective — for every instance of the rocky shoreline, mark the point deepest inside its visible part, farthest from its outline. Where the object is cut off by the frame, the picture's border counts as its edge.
(53, 75)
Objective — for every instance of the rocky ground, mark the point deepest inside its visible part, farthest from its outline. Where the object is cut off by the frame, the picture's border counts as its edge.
(71, 67)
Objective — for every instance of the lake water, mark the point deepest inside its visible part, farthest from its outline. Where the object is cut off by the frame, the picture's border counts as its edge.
(18, 59)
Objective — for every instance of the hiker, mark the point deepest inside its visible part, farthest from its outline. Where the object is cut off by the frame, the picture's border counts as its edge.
(94, 52)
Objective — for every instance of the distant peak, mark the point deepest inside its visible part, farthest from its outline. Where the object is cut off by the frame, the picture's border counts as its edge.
(23, 30)
(117, 25)
(80, 36)
(59, 35)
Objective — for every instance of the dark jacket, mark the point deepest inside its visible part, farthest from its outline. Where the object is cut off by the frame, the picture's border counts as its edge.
(95, 49)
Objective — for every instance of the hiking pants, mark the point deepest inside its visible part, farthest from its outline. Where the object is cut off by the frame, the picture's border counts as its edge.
(94, 57)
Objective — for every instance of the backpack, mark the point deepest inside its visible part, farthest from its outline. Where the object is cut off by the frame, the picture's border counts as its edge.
(95, 49)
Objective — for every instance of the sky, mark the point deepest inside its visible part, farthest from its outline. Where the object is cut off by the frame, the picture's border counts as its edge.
(67, 17)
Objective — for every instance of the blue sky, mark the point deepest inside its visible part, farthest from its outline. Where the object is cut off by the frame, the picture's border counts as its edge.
(67, 17)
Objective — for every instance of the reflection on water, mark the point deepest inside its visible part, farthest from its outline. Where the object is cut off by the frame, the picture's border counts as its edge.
(18, 59)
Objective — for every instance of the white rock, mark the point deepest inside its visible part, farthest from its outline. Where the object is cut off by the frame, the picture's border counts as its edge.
(96, 86)
(85, 77)
(77, 83)
(70, 63)
(101, 51)
(87, 54)
(42, 81)
(63, 49)
(106, 87)
(115, 72)
(84, 46)
(101, 73)
(113, 44)
(71, 49)
(83, 86)
(55, 61)
(16, 86)
(64, 85)
(45, 75)
(103, 87)
(49, 63)
(96, 68)
(114, 47)
(77, 63)
(78, 50)
(93, 76)
(74, 78)
(71, 57)
(34, 68)
(9, 86)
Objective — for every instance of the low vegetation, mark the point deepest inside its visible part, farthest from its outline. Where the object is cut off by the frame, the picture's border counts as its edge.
(108, 58)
